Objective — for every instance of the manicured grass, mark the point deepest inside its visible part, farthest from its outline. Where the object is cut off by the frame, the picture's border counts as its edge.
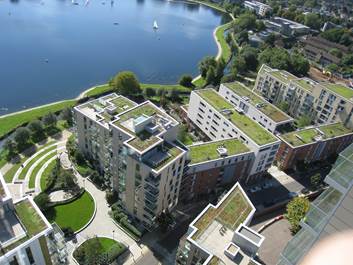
(208, 151)
(29, 217)
(98, 90)
(3, 157)
(200, 82)
(210, 4)
(46, 174)
(180, 88)
(12, 121)
(9, 175)
(75, 214)
(32, 178)
(24, 171)
(226, 52)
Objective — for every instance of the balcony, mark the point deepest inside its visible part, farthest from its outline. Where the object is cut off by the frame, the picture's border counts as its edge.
(153, 191)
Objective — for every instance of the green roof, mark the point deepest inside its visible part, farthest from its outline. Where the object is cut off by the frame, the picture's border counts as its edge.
(251, 128)
(2, 190)
(122, 104)
(307, 136)
(339, 89)
(262, 105)
(304, 84)
(208, 151)
(233, 211)
(283, 76)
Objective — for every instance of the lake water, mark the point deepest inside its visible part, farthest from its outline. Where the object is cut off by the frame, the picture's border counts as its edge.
(53, 49)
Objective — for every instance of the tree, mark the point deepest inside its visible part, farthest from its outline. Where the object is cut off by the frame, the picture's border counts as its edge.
(270, 39)
(173, 94)
(315, 180)
(126, 83)
(296, 210)
(49, 120)
(92, 249)
(275, 58)
(260, 25)
(150, 92)
(242, 37)
(284, 106)
(186, 80)
(246, 21)
(205, 64)
(250, 56)
(313, 21)
(66, 115)
(303, 121)
(211, 76)
(21, 137)
(347, 60)
(239, 65)
(332, 67)
(36, 127)
(42, 200)
(10, 146)
(299, 65)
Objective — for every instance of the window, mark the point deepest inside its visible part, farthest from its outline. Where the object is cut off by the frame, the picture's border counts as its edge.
(30, 255)
(14, 261)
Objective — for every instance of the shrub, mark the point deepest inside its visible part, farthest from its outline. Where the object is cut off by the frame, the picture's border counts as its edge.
(296, 210)
(186, 80)
(150, 92)
(68, 233)
(125, 223)
(111, 196)
(42, 200)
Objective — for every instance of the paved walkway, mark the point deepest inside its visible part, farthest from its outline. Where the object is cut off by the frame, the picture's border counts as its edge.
(102, 224)
(59, 195)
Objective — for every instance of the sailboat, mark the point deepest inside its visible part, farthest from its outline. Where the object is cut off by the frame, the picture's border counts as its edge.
(155, 25)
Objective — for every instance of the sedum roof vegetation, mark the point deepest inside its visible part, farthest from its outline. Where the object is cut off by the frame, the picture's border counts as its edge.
(251, 128)
(339, 89)
(208, 151)
(122, 104)
(304, 84)
(307, 136)
(283, 76)
(231, 213)
(265, 107)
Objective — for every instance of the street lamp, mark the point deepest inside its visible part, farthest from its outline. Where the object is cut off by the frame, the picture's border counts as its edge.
(113, 234)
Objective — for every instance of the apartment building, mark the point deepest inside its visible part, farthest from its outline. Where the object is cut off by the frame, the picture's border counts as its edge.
(260, 9)
(312, 144)
(219, 119)
(254, 106)
(329, 213)
(219, 235)
(135, 147)
(286, 27)
(26, 236)
(214, 165)
(323, 102)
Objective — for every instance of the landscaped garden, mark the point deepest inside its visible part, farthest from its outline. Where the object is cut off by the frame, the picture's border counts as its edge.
(99, 251)
(73, 215)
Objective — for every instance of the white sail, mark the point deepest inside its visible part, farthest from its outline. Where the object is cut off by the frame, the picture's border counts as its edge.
(155, 25)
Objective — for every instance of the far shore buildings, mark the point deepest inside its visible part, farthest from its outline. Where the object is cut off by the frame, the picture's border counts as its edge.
(286, 27)
(219, 235)
(312, 144)
(260, 9)
(322, 102)
(26, 236)
(330, 213)
(135, 146)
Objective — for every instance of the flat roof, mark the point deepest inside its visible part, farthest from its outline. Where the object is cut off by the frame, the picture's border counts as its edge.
(216, 225)
(251, 128)
(28, 218)
(208, 151)
(261, 104)
(283, 76)
(311, 135)
(305, 83)
(339, 89)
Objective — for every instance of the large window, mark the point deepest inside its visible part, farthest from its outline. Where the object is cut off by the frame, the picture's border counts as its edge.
(30, 255)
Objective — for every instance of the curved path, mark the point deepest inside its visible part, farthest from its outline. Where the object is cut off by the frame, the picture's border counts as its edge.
(102, 224)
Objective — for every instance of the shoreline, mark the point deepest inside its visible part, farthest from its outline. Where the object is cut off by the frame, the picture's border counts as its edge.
(83, 94)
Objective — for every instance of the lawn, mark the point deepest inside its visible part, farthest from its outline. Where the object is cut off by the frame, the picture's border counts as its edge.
(11, 122)
(32, 178)
(3, 157)
(9, 175)
(98, 90)
(74, 215)
(226, 52)
(179, 88)
(342, 90)
(46, 174)
(199, 82)
(33, 160)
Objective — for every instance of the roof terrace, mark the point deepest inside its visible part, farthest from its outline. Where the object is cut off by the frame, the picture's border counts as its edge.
(281, 75)
(251, 128)
(210, 151)
(305, 83)
(307, 136)
(261, 104)
(339, 89)
(144, 122)
(20, 225)
(216, 225)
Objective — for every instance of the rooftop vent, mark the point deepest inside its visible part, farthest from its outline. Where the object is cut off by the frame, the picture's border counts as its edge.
(111, 109)
(318, 138)
(246, 99)
(239, 110)
(226, 112)
(222, 151)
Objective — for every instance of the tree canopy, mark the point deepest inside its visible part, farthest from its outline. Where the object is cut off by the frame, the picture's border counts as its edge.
(296, 210)
(126, 83)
